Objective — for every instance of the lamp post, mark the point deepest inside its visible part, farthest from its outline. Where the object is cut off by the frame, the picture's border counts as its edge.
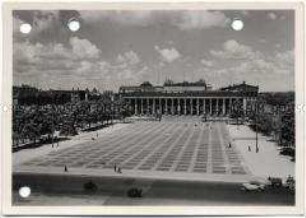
(256, 130)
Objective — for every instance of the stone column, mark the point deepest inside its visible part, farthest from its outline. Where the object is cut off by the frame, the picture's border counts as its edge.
(172, 106)
(210, 106)
(141, 106)
(148, 106)
(159, 107)
(223, 106)
(230, 105)
(185, 106)
(204, 106)
(198, 107)
(218, 106)
(136, 106)
(191, 106)
(130, 104)
(178, 109)
(244, 102)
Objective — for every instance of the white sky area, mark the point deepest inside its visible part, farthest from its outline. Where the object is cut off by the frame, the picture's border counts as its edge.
(114, 48)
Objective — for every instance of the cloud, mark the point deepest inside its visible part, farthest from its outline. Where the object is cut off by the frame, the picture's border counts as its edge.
(238, 62)
(201, 20)
(207, 63)
(168, 54)
(272, 16)
(245, 13)
(285, 61)
(42, 20)
(245, 59)
(128, 58)
(78, 49)
(137, 18)
(232, 49)
(84, 49)
(79, 61)
(184, 20)
(16, 24)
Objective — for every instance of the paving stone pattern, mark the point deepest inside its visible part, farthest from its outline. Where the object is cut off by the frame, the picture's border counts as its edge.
(191, 147)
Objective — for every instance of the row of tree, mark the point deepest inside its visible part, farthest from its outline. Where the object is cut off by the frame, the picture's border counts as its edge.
(279, 120)
(32, 122)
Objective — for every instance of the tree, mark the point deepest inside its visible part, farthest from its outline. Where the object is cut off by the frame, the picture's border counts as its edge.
(287, 132)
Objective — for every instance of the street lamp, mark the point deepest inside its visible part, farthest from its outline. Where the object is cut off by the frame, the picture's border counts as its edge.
(256, 130)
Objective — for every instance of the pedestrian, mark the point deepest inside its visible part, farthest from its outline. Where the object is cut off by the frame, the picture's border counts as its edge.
(66, 168)
(249, 148)
(115, 168)
(119, 170)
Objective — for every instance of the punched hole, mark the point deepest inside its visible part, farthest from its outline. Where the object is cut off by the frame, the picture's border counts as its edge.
(237, 24)
(25, 192)
(25, 28)
(74, 25)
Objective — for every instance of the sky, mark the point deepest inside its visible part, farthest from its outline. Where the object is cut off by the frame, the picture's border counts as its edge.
(114, 48)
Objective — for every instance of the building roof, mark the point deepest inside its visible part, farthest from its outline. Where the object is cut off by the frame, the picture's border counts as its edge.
(242, 86)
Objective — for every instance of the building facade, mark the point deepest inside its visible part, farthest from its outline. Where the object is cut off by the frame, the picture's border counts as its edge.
(189, 99)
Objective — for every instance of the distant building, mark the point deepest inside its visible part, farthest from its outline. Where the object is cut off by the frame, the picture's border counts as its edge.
(29, 95)
(189, 99)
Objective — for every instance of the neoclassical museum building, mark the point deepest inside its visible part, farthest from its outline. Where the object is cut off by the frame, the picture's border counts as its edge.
(186, 98)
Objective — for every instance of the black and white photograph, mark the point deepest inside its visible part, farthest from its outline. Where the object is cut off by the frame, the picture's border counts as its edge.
(153, 107)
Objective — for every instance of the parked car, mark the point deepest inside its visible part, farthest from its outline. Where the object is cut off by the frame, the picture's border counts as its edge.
(290, 184)
(254, 186)
(134, 193)
(275, 182)
(288, 151)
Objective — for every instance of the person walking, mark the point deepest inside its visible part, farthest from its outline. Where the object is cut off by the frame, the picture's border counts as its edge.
(115, 168)
(66, 168)
(119, 170)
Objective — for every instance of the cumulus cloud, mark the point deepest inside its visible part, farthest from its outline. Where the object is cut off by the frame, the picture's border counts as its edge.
(272, 16)
(128, 58)
(83, 48)
(168, 54)
(207, 63)
(201, 20)
(184, 20)
(232, 49)
(42, 20)
(238, 62)
(16, 24)
(80, 60)
(255, 61)
(138, 18)
(286, 57)
(79, 49)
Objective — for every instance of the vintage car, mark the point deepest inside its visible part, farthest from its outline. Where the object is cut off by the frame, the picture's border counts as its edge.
(254, 186)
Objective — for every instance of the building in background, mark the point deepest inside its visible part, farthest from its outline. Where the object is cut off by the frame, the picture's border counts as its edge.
(197, 98)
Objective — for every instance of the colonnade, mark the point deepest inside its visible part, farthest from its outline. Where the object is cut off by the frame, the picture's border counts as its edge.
(220, 106)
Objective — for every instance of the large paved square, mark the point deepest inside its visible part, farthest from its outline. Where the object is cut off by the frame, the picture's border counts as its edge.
(151, 146)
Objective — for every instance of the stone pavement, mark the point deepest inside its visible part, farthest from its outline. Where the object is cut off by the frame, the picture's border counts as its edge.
(166, 148)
